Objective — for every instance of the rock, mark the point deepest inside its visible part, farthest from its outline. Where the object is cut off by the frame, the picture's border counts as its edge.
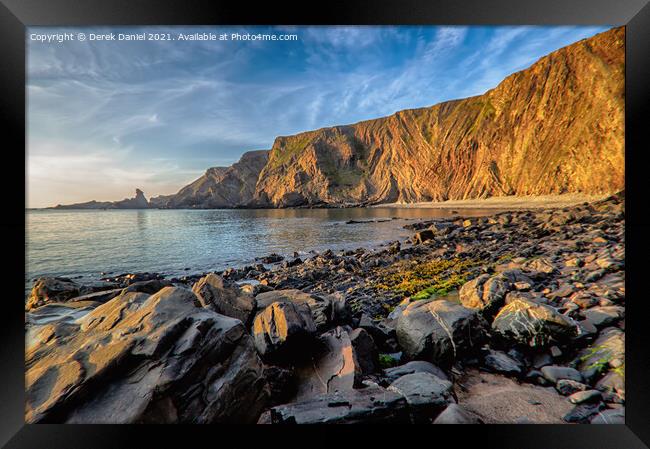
(213, 293)
(146, 359)
(150, 286)
(100, 297)
(325, 309)
(528, 322)
(437, 330)
(607, 351)
(281, 384)
(283, 331)
(568, 387)
(365, 351)
(271, 258)
(541, 266)
(49, 289)
(423, 236)
(442, 227)
(553, 373)
(585, 396)
(603, 316)
(500, 362)
(456, 414)
(333, 368)
(611, 416)
(425, 393)
(485, 293)
(582, 413)
(497, 399)
(378, 331)
(542, 359)
(416, 366)
(367, 405)
(613, 382)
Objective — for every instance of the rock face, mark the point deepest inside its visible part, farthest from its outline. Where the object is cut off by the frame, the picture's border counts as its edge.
(145, 359)
(437, 330)
(220, 186)
(567, 109)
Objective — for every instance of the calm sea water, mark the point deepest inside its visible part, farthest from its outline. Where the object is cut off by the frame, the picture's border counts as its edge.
(85, 243)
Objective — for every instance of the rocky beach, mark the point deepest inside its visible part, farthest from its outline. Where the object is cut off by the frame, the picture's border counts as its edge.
(514, 317)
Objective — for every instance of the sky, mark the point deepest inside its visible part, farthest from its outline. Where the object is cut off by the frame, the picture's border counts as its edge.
(105, 117)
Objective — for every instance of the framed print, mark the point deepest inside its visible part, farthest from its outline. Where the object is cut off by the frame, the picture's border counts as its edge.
(414, 213)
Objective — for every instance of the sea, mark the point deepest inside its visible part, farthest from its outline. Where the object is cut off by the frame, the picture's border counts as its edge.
(90, 244)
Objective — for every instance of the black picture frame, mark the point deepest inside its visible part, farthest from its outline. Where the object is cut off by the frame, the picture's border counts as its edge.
(15, 15)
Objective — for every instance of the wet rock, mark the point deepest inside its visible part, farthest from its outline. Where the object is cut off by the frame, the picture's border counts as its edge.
(554, 373)
(271, 258)
(146, 359)
(425, 393)
(367, 405)
(215, 295)
(437, 330)
(456, 414)
(528, 322)
(610, 416)
(416, 366)
(283, 331)
(500, 362)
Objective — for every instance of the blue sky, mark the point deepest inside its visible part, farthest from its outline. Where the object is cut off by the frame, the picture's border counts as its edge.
(107, 117)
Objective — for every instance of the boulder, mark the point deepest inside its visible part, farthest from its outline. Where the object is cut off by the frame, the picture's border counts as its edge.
(608, 351)
(145, 359)
(214, 294)
(365, 350)
(333, 368)
(532, 323)
(416, 366)
(456, 414)
(150, 286)
(604, 316)
(283, 331)
(568, 387)
(423, 236)
(609, 416)
(425, 393)
(500, 362)
(437, 330)
(368, 405)
(52, 289)
(554, 373)
(485, 293)
(325, 309)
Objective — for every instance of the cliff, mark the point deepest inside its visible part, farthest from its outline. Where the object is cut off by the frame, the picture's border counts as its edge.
(139, 201)
(553, 128)
(220, 186)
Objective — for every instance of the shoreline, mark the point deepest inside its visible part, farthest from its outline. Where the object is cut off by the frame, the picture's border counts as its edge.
(498, 312)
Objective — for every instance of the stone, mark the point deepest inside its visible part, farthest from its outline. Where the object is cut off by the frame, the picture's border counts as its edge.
(607, 350)
(610, 416)
(365, 350)
(146, 359)
(568, 387)
(283, 331)
(612, 382)
(456, 414)
(425, 393)
(542, 266)
(582, 413)
(416, 366)
(325, 309)
(542, 359)
(553, 373)
(585, 396)
(281, 384)
(500, 362)
(367, 405)
(528, 322)
(437, 330)
(100, 297)
(423, 236)
(485, 293)
(51, 289)
(214, 294)
(150, 286)
(601, 316)
(333, 367)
